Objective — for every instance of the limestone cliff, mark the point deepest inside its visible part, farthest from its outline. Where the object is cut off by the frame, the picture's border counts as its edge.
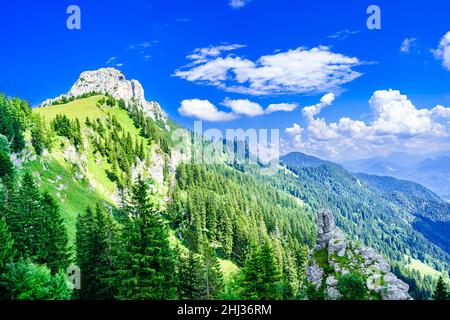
(334, 256)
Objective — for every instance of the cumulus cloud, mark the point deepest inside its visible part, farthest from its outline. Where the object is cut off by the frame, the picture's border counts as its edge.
(275, 107)
(237, 4)
(244, 107)
(396, 125)
(204, 110)
(443, 51)
(294, 71)
(406, 45)
(311, 111)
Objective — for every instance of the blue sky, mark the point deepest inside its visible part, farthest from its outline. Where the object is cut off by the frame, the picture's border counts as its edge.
(150, 42)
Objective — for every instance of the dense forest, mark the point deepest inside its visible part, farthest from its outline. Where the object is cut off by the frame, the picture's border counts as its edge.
(141, 248)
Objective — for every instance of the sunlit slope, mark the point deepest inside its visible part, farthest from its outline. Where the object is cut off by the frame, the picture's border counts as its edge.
(56, 174)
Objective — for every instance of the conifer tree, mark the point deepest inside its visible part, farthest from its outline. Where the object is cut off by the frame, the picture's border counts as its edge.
(6, 166)
(213, 277)
(6, 253)
(260, 275)
(38, 135)
(189, 273)
(146, 260)
(52, 240)
(95, 249)
(7, 246)
(441, 291)
(22, 216)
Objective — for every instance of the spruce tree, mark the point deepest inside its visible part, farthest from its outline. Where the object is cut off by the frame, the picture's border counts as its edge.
(38, 135)
(52, 240)
(95, 248)
(260, 275)
(6, 166)
(146, 260)
(190, 276)
(22, 216)
(213, 277)
(7, 246)
(6, 254)
(441, 291)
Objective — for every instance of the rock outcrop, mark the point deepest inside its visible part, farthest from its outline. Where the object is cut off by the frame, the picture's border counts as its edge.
(112, 81)
(334, 256)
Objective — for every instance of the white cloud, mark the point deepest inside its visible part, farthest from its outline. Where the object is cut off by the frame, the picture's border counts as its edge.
(443, 51)
(110, 60)
(406, 45)
(253, 109)
(311, 111)
(291, 72)
(204, 110)
(395, 114)
(287, 107)
(237, 4)
(295, 130)
(396, 125)
(295, 138)
(201, 55)
(343, 34)
(244, 107)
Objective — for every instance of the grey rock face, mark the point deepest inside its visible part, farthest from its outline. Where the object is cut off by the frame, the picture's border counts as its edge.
(113, 82)
(346, 256)
(314, 274)
(325, 227)
(395, 289)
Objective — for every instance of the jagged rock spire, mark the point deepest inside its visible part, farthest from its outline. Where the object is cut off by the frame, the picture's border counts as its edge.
(325, 227)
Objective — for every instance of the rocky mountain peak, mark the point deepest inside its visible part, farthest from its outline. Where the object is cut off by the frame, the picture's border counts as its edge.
(112, 81)
(334, 257)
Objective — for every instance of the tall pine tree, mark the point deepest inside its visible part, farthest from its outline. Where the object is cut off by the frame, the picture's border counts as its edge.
(52, 240)
(441, 291)
(95, 238)
(146, 260)
(22, 216)
(260, 278)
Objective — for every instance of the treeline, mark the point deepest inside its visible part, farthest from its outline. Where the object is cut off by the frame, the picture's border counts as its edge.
(65, 99)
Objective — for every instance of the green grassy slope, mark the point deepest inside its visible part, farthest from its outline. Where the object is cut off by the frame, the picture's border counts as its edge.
(56, 175)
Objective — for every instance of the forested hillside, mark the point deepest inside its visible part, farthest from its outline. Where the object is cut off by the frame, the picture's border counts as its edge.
(91, 178)
(372, 213)
(93, 181)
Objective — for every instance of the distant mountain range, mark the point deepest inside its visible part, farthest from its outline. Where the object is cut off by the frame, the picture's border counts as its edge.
(432, 172)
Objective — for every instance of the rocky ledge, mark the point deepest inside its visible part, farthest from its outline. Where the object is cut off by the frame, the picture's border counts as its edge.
(334, 256)
(112, 81)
